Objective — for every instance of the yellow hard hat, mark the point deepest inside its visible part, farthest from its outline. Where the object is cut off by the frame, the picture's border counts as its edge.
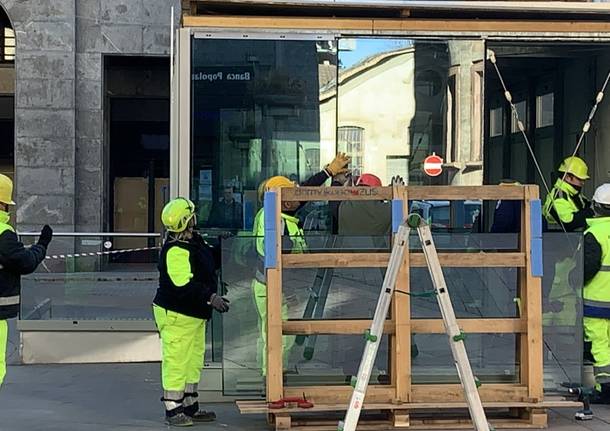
(177, 214)
(278, 181)
(575, 166)
(6, 190)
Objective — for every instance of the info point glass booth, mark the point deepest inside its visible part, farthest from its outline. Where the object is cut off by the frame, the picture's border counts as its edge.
(251, 105)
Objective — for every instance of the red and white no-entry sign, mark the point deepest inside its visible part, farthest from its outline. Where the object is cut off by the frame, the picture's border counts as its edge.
(433, 165)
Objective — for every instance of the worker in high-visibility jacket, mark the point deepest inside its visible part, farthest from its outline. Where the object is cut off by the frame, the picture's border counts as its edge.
(186, 296)
(15, 261)
(294, 232)
(596, 294)
(566, 209)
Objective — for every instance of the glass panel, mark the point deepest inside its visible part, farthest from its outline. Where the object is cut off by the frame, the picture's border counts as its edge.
(521, 108)
(116, 283)
(475, 292)
(492, 356)
(352, 293)
(496, 122)
(410, 98)
(545, 105)
(260, 108)
(562, 309)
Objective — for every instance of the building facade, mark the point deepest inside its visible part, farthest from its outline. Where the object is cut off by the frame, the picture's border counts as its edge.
(62, 97)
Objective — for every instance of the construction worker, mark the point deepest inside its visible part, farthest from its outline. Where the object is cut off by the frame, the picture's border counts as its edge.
(186, 296)
(565, 208)
(15, 261)
(507, 214)
(596, 294)
(298, 245)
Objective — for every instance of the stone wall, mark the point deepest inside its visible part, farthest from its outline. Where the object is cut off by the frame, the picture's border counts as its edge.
(59, 131)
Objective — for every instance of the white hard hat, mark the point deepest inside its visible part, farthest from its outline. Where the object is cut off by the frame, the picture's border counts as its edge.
(602, 194)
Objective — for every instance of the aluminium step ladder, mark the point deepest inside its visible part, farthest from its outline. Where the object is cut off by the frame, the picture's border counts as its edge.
(374, 334)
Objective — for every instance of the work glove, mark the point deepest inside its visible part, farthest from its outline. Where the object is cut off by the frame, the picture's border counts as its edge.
(46, 235)
(397, 180)
(219, 303)
(339, 164)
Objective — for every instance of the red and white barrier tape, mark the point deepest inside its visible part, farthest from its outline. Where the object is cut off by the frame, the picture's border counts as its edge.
(100, 253)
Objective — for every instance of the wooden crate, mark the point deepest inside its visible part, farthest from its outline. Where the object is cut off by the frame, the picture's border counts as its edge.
(399, 399)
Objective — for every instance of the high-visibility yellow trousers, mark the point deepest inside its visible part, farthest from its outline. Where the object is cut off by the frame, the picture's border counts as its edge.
(3, 339)
(260, 298)
(183, 348)
(597, 331)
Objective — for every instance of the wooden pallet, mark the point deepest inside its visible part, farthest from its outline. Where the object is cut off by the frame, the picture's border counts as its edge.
(413, 416)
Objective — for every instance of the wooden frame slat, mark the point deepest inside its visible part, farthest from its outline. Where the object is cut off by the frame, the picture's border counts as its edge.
(530, 290)
(416, 326)
(275, 378)
(305, 194)
(371, 25)
(332, 327)
(374, 260)
(449, 393)
(400, 341)
(460, 193)
(471, 326)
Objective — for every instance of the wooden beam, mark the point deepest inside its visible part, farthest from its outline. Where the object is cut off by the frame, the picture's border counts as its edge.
(459, 193)
(374, 260)
(370, 25)
(400, 342)
(275, 378)
(448, 393)
(331, 327)
(473, 260)
(304, 194)
(258, 407)
(530, 288)
(341, 394)
(335, 260)
(417, 326)
(471, 326)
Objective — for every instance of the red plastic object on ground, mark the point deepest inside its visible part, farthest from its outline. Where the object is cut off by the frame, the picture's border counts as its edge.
(301, 403)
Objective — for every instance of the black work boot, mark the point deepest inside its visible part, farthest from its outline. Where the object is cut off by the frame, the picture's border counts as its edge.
(179, 420)
(174, 411)
(191, 406)
(603, 396)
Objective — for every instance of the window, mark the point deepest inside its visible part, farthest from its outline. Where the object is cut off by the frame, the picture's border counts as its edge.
(521, 108)
(545, 110)
(496, 122)
(8, 47)
(351, 141)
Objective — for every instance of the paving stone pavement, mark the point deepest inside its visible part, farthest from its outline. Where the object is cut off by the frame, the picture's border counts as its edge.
(125, 397)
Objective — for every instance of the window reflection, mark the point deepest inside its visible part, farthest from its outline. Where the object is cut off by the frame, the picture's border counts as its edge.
(285, 107)
(256, 114)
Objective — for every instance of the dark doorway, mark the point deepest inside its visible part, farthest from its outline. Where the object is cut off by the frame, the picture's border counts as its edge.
(137, 121)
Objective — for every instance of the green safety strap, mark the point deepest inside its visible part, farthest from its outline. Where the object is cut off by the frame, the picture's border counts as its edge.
(460, 337)
(369, 337)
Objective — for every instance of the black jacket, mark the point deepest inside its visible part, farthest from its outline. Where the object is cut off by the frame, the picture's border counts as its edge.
(507, 217)
(192, 298)
(15, 261)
